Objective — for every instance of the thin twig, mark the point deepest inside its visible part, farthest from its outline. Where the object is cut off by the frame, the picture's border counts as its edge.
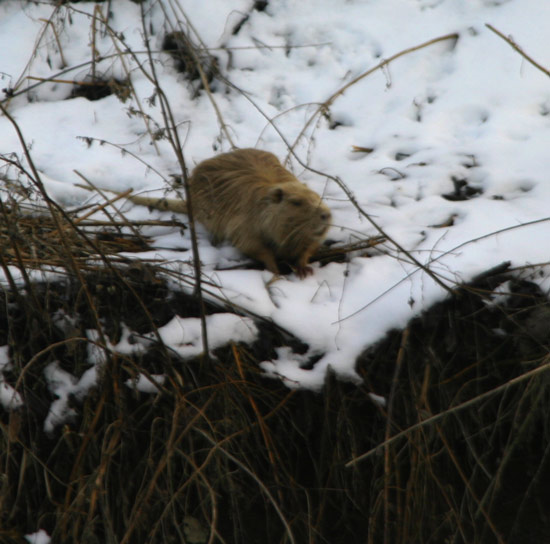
(101, 206)
(117, 39)
(204, 79)
(466, 404)
(514, 45)
(177, 147)
(328, 102)
(261, 485)
(56, 35)
(389, 424)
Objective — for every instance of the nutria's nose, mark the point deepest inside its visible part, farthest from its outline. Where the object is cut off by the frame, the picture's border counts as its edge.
(325, 216)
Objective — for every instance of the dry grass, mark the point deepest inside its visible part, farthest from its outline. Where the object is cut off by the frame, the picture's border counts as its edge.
(31, 238)
(469, 400)
(222, 454)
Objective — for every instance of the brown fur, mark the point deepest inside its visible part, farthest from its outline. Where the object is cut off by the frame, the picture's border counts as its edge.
(249, 198)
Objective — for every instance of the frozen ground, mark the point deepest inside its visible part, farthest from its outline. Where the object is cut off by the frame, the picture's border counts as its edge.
(471, 109)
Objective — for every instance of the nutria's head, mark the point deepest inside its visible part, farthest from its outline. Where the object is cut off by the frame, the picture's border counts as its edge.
(295, 216)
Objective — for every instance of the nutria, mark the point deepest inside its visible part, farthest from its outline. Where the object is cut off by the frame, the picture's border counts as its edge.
(248, 198)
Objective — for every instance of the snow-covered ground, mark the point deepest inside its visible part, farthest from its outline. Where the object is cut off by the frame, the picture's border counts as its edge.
(469, 109)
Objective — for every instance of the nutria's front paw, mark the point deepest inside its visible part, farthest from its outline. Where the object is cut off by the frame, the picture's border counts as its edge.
(303, 271)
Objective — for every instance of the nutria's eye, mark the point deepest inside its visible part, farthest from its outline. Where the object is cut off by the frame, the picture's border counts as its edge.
(296, 203)
(276, 195)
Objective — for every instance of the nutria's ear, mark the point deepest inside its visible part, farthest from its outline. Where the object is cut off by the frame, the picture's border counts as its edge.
(276, 194)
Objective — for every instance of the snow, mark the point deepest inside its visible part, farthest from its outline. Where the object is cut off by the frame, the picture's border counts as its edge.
(147, 384)
(10, 399)
(4, 357)
(40, 537)
(61, 383)
(184, 335)
(471, 108)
